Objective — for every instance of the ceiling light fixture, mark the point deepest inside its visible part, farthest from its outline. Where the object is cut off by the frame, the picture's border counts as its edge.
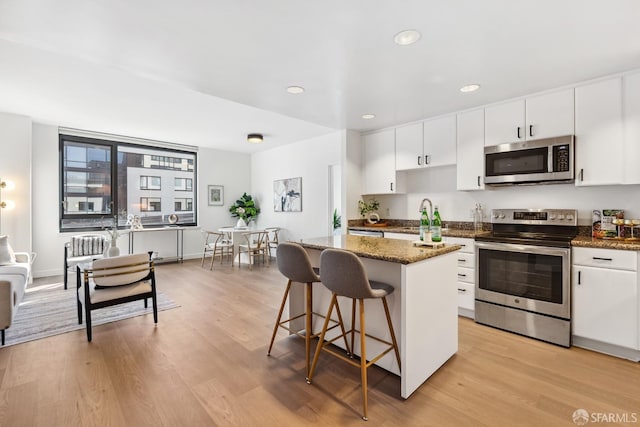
(406, 37)
(255, 138)
(368, 116)
(295, 90)
(470, 88)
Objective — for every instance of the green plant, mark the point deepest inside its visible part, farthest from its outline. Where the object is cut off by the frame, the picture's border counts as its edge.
(366, 207)
(245, 208)
(337, 220)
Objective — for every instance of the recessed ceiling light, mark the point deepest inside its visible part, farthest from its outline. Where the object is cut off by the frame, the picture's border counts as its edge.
(368, 116)
(406, 37)
(295, 90)
(255, 138)
(470, 88)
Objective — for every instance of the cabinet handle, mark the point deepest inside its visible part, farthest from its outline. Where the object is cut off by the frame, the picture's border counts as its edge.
(419, 160)
(478, 180)
(462, 275)
(518, 132)
(530, 130)
(426, 160)
(579, 278)
(581, 174)
(462, 260)
(391, 186)
(602, 259)
(462, 290)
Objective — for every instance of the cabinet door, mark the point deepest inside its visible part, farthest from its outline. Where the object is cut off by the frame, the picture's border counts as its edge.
(409, 147)
(605, 305)
(440, 141)
(379, 163)
(631, 123)
(401, 236)
(598, 141)
(550, 115)
(504, 123)
(470, 151)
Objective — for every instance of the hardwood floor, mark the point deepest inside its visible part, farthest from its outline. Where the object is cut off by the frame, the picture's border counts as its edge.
(205, 364)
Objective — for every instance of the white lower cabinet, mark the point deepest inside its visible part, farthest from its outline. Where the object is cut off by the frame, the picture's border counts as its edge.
(466, 275)
(401, 236)
(605, 300)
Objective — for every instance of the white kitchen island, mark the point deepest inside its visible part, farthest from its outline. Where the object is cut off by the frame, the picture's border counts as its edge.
(423, 306)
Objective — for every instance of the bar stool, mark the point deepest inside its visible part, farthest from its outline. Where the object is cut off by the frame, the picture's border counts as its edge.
(344, 275)
(294, 263)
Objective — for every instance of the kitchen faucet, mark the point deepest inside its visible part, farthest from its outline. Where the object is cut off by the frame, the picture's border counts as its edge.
(430, 210)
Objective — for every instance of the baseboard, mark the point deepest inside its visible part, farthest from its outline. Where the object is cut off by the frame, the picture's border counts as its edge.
(603, 347)
(465, 312)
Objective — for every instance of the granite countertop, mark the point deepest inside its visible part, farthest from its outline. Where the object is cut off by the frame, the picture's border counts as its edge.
(392, 250)
(590, 242)
(446, 232)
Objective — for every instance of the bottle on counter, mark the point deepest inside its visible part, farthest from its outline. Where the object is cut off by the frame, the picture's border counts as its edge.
(436, 226)
(424, 223)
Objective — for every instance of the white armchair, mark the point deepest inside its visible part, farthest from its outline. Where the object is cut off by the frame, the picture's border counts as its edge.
(81, 249)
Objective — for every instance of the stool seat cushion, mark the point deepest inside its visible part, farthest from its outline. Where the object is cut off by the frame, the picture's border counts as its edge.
(380, 289)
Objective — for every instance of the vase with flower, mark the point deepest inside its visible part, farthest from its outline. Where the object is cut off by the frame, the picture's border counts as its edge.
(245, 210)
(113, 249)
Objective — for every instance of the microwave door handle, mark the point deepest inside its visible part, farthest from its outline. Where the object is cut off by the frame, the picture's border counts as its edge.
(550, 159)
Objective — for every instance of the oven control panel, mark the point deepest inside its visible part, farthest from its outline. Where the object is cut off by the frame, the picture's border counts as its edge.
(535, 216)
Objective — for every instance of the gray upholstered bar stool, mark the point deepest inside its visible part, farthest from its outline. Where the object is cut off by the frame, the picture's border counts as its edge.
(344, 275)
(294, 263)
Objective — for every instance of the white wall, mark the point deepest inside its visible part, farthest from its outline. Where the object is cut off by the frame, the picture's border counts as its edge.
(309, 159)
(439, 185)
(15, 165)
(214, 167)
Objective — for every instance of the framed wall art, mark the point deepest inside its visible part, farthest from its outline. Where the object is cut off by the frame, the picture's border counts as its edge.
(287, 195)
(216, 195)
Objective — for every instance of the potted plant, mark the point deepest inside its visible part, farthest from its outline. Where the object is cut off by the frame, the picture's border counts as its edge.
(337, 221)
(367, 207)
(245, 210)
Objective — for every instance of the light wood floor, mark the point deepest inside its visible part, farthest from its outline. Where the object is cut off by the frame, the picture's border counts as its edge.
(205, 364)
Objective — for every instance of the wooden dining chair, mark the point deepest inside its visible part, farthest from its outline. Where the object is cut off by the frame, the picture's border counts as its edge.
(256, 245)
(272, 235)
(218, 244)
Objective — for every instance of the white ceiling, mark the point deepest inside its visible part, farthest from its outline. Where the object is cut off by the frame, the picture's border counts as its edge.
(207, 72)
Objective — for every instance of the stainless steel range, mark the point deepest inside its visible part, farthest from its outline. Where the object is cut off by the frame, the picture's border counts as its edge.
(523, 273)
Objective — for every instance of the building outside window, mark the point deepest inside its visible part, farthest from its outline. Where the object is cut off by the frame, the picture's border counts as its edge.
(183, 205)
(150, 183)
(101, 178)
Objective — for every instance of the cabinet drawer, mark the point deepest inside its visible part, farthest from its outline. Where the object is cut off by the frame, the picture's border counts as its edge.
(466, 275)
(605, 258)
(467, 244)
(466, 259)
(466, 296)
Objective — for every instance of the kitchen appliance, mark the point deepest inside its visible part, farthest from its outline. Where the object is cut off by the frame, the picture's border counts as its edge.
(542, 161)
(369, 233)
(523, 273)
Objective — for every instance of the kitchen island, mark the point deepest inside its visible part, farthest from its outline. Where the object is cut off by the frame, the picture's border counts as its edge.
(423, 306)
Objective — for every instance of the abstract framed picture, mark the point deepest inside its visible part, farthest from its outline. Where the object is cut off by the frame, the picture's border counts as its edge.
(287, 195)
(216, 195)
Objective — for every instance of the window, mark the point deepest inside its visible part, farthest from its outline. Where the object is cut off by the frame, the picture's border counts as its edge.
(150, 204)
(150, 183)
(183, 205)
(101, 178)
(184, 184)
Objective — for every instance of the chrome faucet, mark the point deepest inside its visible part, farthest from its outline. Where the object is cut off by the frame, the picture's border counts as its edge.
(430, 210)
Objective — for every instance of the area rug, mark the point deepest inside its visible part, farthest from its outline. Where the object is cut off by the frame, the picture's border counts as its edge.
(49, 310)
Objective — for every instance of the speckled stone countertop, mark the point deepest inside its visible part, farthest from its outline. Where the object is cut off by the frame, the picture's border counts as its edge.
(446, 232)
(590, 242)
(392, 250)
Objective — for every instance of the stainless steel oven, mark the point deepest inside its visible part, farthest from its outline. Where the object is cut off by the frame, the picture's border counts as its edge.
(523, 273)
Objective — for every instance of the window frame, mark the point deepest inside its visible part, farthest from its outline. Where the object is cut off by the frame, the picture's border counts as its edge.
(113, 205)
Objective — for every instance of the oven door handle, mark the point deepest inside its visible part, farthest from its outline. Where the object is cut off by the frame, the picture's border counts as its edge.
(512, 247)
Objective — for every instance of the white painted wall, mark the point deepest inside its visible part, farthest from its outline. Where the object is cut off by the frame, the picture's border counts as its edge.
(15, 165)
(351, 175)
(214, 167)
(309, 159)
(439, 185)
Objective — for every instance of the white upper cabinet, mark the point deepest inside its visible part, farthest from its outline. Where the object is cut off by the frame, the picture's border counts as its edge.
(631, 111)
(379, 163)
(426, 144)
(470, 150)
(409, 147)
(542, 116)
(599, 143)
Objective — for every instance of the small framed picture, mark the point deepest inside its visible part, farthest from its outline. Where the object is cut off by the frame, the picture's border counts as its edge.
(216, 195)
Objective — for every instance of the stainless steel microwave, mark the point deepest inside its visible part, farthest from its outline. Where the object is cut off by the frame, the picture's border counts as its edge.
(541, 161)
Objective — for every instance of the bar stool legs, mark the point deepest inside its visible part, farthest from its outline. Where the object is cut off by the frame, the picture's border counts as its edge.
(363, 363)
